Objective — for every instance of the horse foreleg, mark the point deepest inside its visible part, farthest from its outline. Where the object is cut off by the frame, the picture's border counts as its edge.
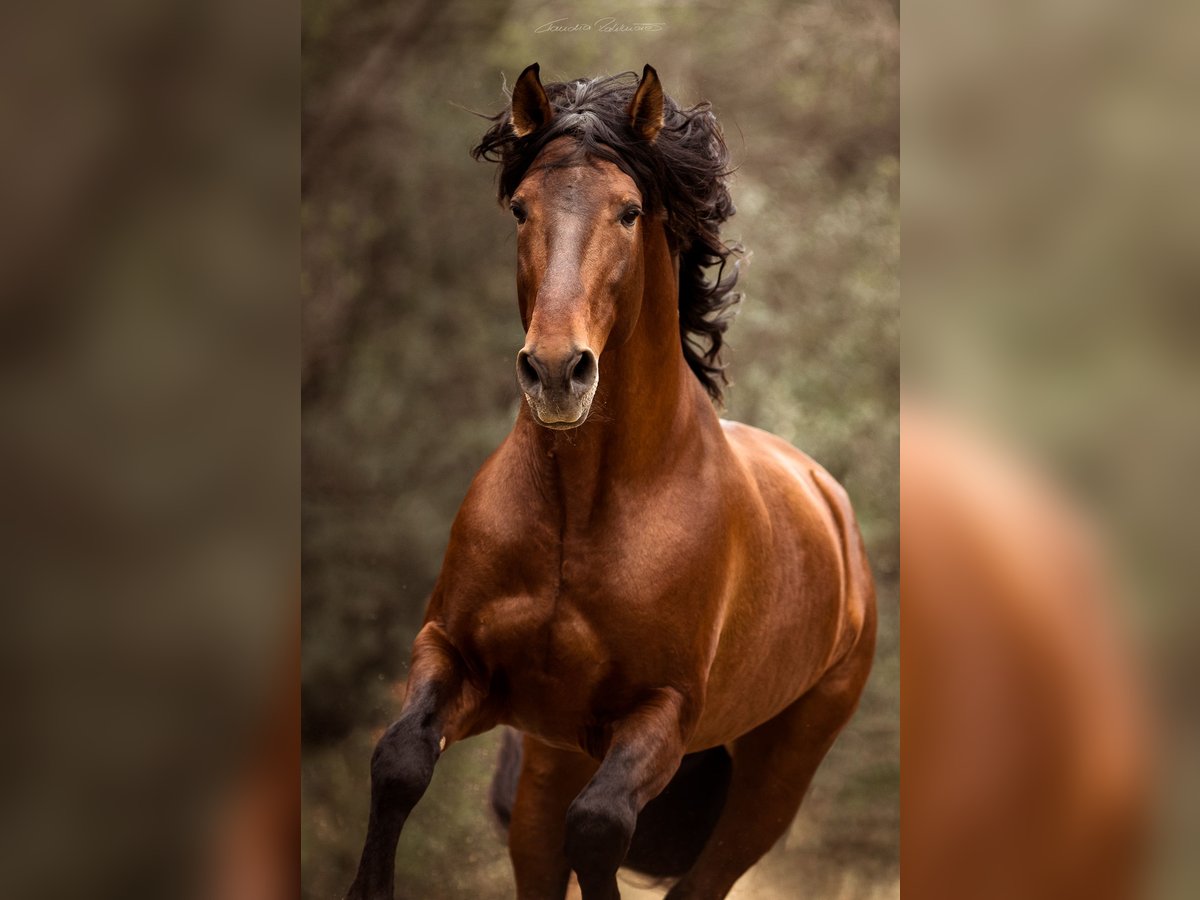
(440, 706)
(772, 768)
(643, 755)
(550, 780)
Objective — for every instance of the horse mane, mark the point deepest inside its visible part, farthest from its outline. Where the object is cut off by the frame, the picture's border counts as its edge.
(682, 173)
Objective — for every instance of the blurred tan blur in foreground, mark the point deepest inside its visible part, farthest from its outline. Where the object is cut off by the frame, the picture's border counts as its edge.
(1025, 770)
(1049, 438)
(148, 456)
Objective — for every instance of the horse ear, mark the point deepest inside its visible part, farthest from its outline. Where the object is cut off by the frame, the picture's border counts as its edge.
(531, 108)
(646, 109)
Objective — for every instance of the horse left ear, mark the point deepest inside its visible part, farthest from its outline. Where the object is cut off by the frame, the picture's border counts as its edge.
(646, 108)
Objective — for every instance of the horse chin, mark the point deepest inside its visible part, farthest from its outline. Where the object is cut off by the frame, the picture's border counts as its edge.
(559, 420)
(562, 426)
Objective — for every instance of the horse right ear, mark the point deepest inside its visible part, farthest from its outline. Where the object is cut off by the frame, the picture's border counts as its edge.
(531, 108)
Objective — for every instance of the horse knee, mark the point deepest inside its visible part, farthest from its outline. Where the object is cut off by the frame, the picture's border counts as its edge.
(402, 764)
(598, 834)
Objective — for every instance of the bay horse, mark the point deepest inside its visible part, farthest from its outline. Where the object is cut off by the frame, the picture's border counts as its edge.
(663, 604)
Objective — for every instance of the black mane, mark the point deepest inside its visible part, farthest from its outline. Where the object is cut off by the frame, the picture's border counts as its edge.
(682, 172)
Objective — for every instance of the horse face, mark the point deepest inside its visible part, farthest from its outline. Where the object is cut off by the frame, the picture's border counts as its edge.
(580, 272)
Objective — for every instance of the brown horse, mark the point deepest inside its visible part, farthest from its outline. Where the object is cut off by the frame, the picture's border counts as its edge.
(630, 580)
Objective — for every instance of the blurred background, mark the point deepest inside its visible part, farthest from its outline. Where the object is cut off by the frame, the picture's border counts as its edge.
(149, 173)
(408, 281)
(1051, 280)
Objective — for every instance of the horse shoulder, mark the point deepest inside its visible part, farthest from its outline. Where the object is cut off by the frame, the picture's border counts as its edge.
(499, 540)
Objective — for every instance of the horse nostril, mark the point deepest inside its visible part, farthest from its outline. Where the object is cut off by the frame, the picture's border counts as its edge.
(584, 372)
(527, 373)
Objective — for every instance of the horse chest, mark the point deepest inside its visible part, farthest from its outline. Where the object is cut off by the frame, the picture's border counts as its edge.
(572, 618)
(558, 630)
(569, 656)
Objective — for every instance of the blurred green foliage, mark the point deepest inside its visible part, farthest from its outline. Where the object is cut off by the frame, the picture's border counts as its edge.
(411, 328)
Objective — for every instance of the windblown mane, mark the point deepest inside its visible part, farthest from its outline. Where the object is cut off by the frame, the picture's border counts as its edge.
(682, 172)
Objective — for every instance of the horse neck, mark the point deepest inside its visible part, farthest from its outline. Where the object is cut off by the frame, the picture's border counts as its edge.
(648, 410)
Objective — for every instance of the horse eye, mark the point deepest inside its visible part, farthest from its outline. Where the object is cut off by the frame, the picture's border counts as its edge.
(518, 213)
(630, 216)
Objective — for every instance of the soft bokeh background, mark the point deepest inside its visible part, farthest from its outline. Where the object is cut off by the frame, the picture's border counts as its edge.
(1051, 213)
(149, 629)
(410, 331)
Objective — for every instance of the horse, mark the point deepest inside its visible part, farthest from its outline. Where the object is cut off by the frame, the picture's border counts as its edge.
(675, 612)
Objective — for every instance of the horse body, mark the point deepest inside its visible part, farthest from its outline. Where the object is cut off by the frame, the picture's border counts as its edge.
(629, 579)
(805, 596)
(560, 605)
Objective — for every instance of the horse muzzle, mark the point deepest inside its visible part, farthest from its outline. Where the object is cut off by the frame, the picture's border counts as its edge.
(558, 387)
